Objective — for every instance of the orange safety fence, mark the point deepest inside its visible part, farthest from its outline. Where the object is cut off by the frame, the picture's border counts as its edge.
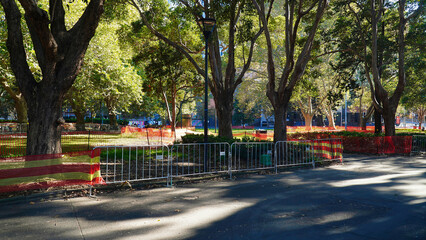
(328, 148)
(50, 170)
(378, 145)
(151, 134)
(370, 145)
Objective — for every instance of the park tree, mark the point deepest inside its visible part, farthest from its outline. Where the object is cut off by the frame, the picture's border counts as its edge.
(305, 98)
(256, 103)
(59, 51)
(235, 29)
(170, 77)
(107, 75)
(372, 40)
(297, 52)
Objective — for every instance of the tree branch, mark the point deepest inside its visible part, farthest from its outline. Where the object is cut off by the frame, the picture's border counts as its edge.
(15, 46)
(165, 39)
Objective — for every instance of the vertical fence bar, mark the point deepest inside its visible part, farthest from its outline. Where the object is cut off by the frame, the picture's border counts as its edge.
(136, 163)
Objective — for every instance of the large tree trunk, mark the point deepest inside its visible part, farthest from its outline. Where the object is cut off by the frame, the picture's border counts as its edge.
(389, 119)
(111, 114)
(308, 120)
(224, 107)
(45, 120)
(112, 120)
(377, 122)
(330, 117)
(307, 112)
(80, 124)
(79, 110)
(280, 126)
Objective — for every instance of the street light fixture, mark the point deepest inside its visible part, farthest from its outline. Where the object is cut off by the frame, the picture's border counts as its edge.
(208, 25)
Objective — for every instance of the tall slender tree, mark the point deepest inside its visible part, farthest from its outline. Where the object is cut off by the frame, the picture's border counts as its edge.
(280, 89)
(227, 71)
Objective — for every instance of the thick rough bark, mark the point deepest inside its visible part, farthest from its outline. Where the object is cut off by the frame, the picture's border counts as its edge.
(389, 119)
(224, 108)
(113, 121)
(377, 122)
(59, 53)
(45, 118)
(280, 129)
(80, 124)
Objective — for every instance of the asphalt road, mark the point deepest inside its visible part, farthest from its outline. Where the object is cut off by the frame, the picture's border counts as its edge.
(368, 197)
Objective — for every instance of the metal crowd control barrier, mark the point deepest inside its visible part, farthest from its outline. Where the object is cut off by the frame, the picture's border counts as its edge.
(198, 158)
(292, 153)
(137, 163)
(419, 144)
(247, 156)
(134, 163)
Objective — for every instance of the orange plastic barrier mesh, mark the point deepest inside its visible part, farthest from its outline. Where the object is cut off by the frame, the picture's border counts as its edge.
(378, 145)
(328, 149)
(51, 170)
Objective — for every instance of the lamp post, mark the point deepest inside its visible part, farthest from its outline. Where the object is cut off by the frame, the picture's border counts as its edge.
(208, 25)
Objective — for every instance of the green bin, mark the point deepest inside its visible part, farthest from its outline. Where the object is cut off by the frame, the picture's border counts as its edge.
(266, 160)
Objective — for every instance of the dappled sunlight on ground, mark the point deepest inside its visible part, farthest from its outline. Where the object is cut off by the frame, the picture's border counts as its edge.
(368, 197)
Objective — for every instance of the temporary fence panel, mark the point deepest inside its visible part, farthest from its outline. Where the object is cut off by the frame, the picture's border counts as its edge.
(419, 144)
(134, 163)
(252, 156)
(51, 170)
(199, 158)
(290, 153)
(152, 136)
(328, 149)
